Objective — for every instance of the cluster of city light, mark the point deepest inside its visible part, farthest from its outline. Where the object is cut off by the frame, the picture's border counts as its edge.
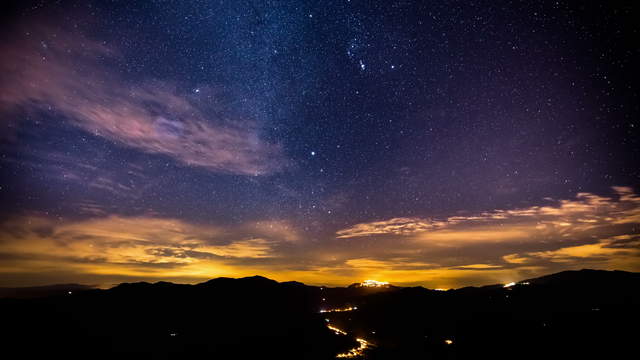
(350, 308)
(514, 284)
(355, 352)
(373, 283)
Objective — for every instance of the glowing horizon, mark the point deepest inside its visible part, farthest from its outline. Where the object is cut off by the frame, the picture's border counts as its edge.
(101, 250)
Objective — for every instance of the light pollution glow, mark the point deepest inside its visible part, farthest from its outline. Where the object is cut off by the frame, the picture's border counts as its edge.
(498, 246)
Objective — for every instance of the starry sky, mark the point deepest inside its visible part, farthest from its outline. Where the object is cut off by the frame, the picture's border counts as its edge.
(443, 143)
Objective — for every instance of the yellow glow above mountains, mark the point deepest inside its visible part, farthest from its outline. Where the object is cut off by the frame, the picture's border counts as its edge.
(497, 246)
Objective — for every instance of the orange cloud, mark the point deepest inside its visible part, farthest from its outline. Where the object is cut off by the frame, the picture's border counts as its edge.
(142, 246)
(587, 231)
(490, 247)
(622, 251)
(476, 234)
(398, 226)
(252, 248)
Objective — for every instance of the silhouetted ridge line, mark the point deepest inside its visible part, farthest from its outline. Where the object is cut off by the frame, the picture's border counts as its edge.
(576, 314)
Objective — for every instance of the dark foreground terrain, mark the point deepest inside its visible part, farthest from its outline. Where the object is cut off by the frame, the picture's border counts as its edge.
(573, 314)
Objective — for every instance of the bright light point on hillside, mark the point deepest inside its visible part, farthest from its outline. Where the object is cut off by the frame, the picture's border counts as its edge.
(509, 285)
(448, 341)
(374, 283)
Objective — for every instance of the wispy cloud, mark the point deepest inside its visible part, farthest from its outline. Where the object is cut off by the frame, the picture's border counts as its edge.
(141, 247)
(252, 248)
(51, 69)
(126, 180)
(397, 226)
(563, 218)
(489, 247)
(617, 251)
(587, 231)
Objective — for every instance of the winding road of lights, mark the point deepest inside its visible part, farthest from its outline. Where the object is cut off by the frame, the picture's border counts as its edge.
(351, 308)
(362, 343)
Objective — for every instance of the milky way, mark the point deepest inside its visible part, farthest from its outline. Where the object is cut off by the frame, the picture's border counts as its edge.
(441, 144)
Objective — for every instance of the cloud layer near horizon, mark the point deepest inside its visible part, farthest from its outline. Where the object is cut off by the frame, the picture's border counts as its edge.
(491, 247)
(49, 69)
(587, 211)
(587, 231)
(141, 246)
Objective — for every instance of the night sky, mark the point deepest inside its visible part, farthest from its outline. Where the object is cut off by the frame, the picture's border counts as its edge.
(422, 143)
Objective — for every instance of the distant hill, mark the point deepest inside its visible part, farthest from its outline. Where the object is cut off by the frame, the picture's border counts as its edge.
(588, 277)
(575, 314)
(42, 291)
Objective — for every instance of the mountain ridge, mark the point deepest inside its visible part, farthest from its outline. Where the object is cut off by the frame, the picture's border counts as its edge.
(61, 289)
(289, 320)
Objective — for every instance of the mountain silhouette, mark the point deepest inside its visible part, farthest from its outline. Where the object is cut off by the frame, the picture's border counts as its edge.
(42, 291)
(576, 314)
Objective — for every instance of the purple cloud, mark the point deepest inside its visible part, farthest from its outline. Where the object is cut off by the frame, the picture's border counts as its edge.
(50, 69)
